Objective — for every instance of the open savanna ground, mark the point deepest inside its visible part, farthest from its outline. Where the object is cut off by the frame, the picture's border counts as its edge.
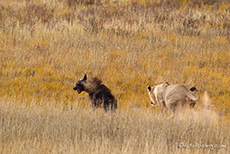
(45, 129)
(47, 45)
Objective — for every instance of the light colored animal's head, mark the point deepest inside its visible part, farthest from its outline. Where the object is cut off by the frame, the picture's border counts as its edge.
(156, 93)
(152, 95)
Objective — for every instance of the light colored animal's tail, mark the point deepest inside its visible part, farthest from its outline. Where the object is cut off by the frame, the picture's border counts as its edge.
(192, 97)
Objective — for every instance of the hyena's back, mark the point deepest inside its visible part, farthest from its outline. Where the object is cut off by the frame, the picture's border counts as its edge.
(103, 96)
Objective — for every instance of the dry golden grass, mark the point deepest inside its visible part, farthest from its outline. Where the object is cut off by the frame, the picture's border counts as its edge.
(46, 129)
(47, 45)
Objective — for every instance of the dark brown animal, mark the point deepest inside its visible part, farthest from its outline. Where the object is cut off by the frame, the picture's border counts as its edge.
(99, 94)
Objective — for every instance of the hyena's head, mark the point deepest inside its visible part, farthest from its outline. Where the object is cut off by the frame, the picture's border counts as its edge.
(80, 85)
(152, 95)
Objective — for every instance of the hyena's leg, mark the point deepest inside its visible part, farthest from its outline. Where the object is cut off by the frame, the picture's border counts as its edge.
(113, 104)
(106, 105)
(93, 108)
(93, 104)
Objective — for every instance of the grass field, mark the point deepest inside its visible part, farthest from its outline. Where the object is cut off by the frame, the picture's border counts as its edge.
(48, 45)
(37, 129)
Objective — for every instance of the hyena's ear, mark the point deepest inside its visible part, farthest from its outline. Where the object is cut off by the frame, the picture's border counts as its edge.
(85, 77)
(149, 88)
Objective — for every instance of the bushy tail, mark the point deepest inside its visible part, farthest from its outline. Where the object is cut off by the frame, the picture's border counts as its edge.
(195, 89)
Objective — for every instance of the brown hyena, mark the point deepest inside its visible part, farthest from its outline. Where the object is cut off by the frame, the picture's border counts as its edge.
(99, 94)
(172, 96)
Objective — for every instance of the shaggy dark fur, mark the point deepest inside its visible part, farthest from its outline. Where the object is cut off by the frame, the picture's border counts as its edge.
(99, 94)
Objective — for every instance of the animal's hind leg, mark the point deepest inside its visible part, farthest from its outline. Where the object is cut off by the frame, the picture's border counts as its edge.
(192, 108)
(173, 108)
(192, 105)
(114, 105)
(93, 108)
(177, 108)
(106, 106)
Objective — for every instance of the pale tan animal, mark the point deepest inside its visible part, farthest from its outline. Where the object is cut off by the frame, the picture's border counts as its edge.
(173, 96)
